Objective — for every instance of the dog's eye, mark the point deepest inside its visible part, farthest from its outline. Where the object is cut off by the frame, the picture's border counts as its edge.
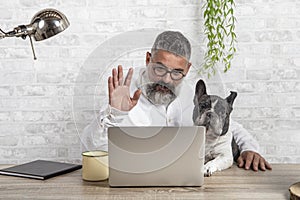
(222, 111)
(203, 105)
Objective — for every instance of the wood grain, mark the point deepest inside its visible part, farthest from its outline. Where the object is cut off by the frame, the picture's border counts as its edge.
(233, 183)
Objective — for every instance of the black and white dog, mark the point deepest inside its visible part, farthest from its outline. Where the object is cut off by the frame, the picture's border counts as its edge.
(213, 112)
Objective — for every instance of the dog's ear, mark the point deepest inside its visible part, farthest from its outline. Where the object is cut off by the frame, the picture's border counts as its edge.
(199, 91)
(226, 126)
(230, 99)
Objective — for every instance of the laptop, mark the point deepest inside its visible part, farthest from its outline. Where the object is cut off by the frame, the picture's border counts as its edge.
(156, 156)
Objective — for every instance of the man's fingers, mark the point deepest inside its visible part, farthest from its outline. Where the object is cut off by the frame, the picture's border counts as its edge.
(115, 78)
(262, 163)
(240, 161)
(128, 77)
(120, 74)
(110, 88)
(249, 160)
(136, 96)
(255, 163)
(268, 166)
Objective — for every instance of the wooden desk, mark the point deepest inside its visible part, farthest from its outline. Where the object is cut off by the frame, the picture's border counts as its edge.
(233, 183)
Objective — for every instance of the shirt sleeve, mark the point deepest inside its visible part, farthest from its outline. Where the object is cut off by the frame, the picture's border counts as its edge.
(244, 140)
(94, 136)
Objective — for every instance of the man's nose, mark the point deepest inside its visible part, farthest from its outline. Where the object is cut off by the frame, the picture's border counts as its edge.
(167, 78)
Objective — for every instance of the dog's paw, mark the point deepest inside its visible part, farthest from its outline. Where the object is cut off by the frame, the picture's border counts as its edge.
(209, 169)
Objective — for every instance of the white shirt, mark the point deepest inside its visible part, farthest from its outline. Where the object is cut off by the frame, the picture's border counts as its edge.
(178, 113)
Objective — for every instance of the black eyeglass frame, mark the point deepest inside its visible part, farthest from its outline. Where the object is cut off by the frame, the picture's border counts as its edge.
(171, 72)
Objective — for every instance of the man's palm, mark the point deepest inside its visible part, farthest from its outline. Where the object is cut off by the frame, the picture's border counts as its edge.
(119, 93)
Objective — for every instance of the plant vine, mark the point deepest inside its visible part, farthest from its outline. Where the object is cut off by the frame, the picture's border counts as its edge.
(219, 23)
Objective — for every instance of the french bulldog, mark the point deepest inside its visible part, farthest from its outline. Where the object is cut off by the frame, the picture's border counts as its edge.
(213, 112)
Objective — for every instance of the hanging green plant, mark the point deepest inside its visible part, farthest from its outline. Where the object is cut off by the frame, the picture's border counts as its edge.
(219, 26)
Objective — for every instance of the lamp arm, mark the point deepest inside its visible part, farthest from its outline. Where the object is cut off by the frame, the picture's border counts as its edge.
(2, 34)
(32, 48)
(20, 31)
(8, 34)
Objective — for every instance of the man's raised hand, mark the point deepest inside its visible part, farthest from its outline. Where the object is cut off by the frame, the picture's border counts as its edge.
(119, 93)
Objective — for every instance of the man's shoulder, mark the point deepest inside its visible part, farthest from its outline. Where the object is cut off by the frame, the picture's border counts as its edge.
(187, 89)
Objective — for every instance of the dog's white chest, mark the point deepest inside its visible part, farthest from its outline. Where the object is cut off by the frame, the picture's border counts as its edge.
(217, 146)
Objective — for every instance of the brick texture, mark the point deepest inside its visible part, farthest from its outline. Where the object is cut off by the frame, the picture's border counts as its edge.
(46, 103)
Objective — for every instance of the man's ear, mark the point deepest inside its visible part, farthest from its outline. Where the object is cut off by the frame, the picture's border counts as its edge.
(188, 67)
(148, 57)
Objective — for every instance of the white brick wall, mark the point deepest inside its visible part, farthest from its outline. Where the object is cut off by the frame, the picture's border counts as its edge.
(39, 120)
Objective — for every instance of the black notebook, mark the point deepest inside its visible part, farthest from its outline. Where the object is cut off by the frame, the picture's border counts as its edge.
(40, 169)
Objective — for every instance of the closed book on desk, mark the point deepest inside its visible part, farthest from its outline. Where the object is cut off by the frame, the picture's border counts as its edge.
(40, 169)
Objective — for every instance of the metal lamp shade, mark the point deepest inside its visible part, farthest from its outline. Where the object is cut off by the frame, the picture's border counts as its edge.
(47, 23)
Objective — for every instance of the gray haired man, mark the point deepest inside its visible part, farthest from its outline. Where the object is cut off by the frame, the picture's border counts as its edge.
(157, 95)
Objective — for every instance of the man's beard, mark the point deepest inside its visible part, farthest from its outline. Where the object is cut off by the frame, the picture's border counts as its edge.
(160, 93)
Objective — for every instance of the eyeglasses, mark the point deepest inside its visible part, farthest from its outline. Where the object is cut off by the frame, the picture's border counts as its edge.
(161, 71)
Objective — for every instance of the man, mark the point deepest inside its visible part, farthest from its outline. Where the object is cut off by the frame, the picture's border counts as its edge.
(159, 96)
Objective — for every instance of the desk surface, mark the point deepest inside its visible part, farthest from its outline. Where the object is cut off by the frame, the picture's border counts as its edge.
(233, 183)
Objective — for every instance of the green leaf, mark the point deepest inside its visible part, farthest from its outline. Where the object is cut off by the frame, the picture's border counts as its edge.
(233, 35)
(229, 56)
(205, 14)
(219, 25)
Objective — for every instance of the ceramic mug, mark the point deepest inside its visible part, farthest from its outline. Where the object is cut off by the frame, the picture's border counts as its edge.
(94, 165)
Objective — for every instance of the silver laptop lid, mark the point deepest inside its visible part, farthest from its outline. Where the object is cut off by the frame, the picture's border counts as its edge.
(156, 156)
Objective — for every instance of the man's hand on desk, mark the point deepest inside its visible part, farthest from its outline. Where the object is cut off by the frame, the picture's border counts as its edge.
(252, 159)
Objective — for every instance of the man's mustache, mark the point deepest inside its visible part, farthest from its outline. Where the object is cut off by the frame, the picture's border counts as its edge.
(163, 84)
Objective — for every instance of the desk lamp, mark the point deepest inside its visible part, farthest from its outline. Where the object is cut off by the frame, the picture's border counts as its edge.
(44, 24)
